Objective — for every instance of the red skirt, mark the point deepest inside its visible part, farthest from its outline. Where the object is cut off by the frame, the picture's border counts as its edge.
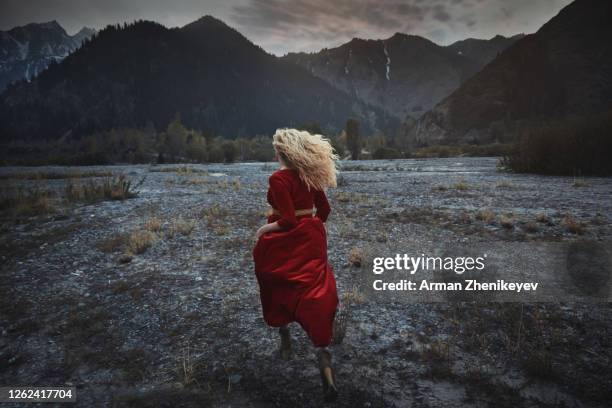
(296, 283)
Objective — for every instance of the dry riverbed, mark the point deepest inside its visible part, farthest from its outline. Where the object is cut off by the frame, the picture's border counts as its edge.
(151, 300)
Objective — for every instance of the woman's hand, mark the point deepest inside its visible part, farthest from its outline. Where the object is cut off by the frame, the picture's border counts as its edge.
(267, 228)
(262, 230)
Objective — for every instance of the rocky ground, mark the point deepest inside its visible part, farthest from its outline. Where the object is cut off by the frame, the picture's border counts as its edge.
(152, 300)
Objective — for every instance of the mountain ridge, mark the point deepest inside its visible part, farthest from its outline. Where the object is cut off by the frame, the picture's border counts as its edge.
(562, 70)
(211, 75)
(404, 74)
(27, 50)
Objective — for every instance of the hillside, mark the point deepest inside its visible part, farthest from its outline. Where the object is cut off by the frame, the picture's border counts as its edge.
(405, 74)
(483, 51)
(562, 70)
(208, 73)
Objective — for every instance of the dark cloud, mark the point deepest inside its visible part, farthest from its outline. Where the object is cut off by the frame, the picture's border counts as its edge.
(74, 14)
(308, 25)
(440, 14)
(280, 26)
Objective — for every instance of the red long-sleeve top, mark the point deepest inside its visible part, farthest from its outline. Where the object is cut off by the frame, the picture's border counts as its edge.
(288, 193)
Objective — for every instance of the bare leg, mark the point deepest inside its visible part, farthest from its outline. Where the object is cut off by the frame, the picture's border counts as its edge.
(328, 379)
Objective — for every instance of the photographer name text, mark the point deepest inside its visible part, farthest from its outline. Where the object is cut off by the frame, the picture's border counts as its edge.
(466, 285)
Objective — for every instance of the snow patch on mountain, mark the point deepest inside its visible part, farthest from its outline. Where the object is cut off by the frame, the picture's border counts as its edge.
(346, 69)
(22, 49)
(388, 64)
(28, 50)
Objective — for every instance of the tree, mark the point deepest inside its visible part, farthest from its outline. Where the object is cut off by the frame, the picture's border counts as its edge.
(337, 144)
(196, 147)
(229, 152)
(353, 141)
(175, 142)
(215, 151)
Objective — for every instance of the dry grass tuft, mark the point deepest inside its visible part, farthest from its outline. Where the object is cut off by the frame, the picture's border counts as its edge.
(504, 185)
(462, 186)
(465, 218)
(109, 188)
(354, 296)
(184, 227)
(112, 244)
(506, 221)
(356, 257)
(139, 241)
(579, 183)
(438, 351)
(572, 225)
(542, 218)
(153, 224)
(342, 197)
(531, 227)
(220, 229)
(180, 226)
(213, 212)
(485, 215)
(188, 366)
(27, 202)
(341, 322)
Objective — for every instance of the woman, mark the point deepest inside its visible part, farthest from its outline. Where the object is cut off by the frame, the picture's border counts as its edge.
(295, 280)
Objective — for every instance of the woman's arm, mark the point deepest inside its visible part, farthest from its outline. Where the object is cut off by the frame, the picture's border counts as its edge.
(282, 199)
(279, 189)
(322, 205)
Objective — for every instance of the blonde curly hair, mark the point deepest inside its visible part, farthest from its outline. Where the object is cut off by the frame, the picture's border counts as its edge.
(311, 155)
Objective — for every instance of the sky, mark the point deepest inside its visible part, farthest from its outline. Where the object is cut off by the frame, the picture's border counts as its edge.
(281, 26)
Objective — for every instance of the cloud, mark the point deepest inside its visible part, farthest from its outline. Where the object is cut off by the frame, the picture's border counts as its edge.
(281, 26)
(440, 13)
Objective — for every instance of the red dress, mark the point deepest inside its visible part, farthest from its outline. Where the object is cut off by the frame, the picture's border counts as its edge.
(296, 282)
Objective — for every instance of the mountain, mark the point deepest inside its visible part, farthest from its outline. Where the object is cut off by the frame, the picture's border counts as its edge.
(26, 51)
(404, 74)
(208, 73)
(563, 70)
(481, 52)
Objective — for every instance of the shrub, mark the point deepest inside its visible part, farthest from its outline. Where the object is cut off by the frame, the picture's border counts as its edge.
(28, 202)
(494, 149)
(109, 188)
(384, 153)
(572, 147)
